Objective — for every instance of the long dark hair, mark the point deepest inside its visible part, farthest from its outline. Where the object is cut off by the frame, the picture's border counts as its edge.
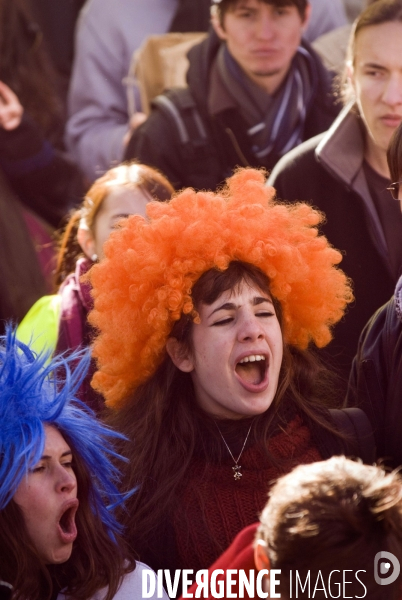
(97, 561)
(162, 420)
(25, 68)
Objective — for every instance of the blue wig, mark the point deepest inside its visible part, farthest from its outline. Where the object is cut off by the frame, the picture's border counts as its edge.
(35, 392)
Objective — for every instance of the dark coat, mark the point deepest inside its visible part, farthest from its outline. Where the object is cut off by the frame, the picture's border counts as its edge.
(43, 178)
(375, 382)
(157, 141)
(21, 277)
(340, 191)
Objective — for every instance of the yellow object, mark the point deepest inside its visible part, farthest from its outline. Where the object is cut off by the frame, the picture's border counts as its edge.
(40, 326)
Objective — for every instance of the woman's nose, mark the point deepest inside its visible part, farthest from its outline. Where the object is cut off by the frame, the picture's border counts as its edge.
(250, 328)
(67, 481)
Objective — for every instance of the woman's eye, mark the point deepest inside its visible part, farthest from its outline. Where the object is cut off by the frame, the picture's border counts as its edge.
(38, 469)
(224, 321)
(266, 313)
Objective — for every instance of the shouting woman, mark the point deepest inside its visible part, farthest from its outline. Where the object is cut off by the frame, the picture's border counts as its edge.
(58, 533)
(205, 311)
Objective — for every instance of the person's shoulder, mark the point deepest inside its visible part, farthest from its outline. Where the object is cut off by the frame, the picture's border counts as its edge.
(140, 567)
(175, 103)
(389, 315)
(168, 122)
(130, 588)
(133, 583)
(96, 13)
(384, 329)
(301, 157)
(398, 299)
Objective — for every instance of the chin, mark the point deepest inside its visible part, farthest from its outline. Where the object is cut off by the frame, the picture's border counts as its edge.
(60, 556)
(261, 72)
(253, 409)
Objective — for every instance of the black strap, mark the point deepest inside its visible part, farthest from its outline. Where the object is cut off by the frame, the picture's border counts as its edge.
(354, 424)
(179, 107)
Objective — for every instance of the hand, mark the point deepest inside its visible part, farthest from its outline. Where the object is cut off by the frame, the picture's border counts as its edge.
(11, 110)
(136, 120)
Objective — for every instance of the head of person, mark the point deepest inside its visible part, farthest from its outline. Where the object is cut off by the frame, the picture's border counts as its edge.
(57, 481)
(122, 191)
(374, 71)
(262, 35)
(204, 311)
(333, 516)
(218, 287)
(394, 157)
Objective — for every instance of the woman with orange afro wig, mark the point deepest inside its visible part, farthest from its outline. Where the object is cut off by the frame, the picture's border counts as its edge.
(205, 311)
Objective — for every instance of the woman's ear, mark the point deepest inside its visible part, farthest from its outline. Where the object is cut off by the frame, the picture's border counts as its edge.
(261, 558)
(180, 355)
(87, 242)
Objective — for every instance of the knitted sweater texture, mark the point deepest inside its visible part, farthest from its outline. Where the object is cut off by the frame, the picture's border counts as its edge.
(214, 506)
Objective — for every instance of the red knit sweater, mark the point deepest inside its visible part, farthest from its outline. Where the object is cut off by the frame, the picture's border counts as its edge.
(239, 555)
(213, 506)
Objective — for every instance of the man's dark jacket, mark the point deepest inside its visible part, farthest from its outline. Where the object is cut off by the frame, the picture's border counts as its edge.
(204, 164)
(375, 383)
(327, 172)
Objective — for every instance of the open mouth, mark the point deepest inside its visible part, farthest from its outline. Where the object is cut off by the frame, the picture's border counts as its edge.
(66, 524)
(252, 370)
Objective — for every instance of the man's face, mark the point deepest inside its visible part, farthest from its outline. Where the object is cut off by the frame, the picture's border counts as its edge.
(263, 39)
(377, 80)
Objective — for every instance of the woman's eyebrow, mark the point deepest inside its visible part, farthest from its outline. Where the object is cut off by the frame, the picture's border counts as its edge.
(120, 216)
(260, 299)
(66, 453)
(232, 306)
(225, 306)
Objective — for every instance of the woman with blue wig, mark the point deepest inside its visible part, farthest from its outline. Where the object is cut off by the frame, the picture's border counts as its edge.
(58, 534)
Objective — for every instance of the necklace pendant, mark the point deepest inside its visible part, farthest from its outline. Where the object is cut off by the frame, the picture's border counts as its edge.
(237, 475)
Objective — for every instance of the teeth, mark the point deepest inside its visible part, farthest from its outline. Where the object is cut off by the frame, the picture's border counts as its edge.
(252, 358)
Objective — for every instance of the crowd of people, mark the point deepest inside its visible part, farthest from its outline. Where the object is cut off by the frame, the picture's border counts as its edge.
(201, 300)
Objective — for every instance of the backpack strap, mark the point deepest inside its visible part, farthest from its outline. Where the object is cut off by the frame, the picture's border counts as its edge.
(179, 106)
(355, 425)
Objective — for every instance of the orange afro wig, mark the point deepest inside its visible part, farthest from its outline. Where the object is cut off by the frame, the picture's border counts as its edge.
(144, 284)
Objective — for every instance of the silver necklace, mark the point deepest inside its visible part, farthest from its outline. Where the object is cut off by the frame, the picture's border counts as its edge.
(236, 469)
